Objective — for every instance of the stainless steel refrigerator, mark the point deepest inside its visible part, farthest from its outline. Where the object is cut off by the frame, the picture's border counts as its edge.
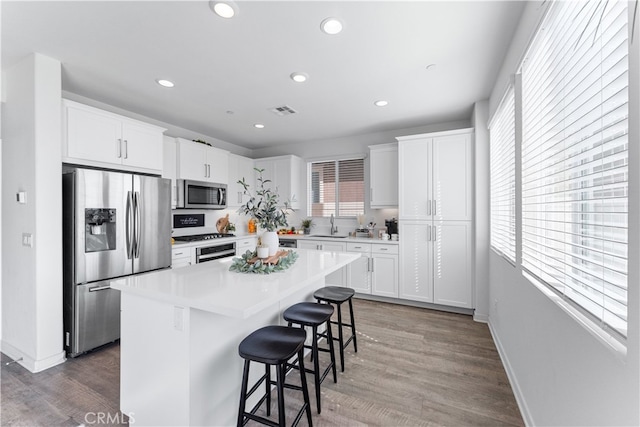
(114, 225)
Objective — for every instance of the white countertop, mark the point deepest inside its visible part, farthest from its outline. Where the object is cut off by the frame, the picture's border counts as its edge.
(211, 287)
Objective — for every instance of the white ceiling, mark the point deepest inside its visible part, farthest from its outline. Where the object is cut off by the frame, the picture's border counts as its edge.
(113, 51)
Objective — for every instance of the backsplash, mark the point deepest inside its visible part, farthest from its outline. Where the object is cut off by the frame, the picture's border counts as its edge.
(321, 225)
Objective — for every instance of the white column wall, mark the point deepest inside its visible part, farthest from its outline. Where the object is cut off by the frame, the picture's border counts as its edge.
(561, 374)
(32, 276)
(480, 120)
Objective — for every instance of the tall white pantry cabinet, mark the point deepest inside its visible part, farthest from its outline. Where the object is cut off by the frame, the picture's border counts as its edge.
(435, 217)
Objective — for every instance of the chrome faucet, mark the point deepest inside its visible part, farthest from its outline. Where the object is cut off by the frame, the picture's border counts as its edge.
(333, 229)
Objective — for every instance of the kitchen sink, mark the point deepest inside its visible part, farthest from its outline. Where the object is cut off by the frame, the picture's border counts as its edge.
(329, 235)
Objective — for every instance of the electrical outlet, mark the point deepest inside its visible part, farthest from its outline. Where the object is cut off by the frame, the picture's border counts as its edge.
(27, 240)
(495, 304)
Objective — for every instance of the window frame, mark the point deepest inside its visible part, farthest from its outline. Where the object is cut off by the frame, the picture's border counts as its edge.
(594, 322)
(336, 161)
(502, 149)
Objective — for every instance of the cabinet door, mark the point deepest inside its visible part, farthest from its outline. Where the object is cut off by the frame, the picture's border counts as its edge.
(142, 146)
(218, 162)
(93, 136)
(239, 167)
(384, 275)
(414, 179)
(192, 161)
(453, 281)
(416, 281)
(358, 274)
(383, 176)
(452, 177)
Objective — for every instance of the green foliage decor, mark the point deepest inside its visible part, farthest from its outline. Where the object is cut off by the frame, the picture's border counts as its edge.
(241, 264)
(263, 205)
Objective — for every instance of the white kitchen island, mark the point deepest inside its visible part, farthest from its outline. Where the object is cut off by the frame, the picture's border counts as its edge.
(180, 330)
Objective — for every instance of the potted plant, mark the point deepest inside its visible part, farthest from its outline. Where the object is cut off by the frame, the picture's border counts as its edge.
(306, 225)
(263, 208)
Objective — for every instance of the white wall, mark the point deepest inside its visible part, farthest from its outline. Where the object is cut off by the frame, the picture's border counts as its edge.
(561, 373)
(32, 276)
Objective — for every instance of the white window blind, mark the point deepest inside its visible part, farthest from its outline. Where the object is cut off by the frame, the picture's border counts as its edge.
(575, 157)
(336, 187)
(502, 145)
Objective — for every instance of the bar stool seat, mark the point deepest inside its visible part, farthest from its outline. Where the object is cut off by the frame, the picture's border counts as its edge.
(313, 315)
(338, 295)
(272, 345)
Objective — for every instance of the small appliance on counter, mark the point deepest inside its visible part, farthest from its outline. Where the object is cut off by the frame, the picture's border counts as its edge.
(392, 226)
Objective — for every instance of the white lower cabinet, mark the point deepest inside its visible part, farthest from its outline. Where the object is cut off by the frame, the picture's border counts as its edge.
(376, 272)
(339, 277)
(247, 244)
(384, 273)
(182, 257)
(436, 262)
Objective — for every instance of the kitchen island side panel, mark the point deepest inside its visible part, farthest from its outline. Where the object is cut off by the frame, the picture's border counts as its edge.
(180, 366)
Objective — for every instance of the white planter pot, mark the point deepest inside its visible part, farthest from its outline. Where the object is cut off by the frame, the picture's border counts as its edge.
(270, 238)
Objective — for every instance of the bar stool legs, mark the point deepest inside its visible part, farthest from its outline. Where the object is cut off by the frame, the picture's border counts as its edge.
(314, 315)
(273, 346)
(338, 295)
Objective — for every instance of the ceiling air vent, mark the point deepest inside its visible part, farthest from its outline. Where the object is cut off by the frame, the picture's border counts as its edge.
(284, 110)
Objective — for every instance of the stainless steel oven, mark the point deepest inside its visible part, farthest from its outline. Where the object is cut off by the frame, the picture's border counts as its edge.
(288, 243)
(213, 252)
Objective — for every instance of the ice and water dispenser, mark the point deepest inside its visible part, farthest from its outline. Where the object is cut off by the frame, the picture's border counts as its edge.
(100, 229)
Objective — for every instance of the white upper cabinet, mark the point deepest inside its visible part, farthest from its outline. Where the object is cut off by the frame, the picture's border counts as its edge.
(285, 174)
(201, 162)
(169, 169)
(239, 167)
(383, 176)
(435, 176)
(99, 138)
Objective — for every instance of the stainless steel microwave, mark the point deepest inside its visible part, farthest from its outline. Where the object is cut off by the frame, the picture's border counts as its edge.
(201, 195)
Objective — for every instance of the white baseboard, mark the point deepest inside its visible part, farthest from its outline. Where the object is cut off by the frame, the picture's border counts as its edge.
(515, 387)
(28, 362)
(481, 318)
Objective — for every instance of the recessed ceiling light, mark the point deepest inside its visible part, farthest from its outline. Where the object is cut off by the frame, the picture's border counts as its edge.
(430, 66)
(258, 126)
(299, 77)
(224, 9)
(380, 103)
(165, 83)
(331, 26)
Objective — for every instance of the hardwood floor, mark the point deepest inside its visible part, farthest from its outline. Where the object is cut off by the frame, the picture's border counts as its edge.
(414, 367)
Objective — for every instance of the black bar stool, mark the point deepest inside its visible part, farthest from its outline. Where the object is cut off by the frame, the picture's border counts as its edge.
(313, 315)
(337, 295)
(272, 345)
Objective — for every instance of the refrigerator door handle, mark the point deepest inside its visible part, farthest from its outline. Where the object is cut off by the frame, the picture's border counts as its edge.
(129, 225)
(136, 223)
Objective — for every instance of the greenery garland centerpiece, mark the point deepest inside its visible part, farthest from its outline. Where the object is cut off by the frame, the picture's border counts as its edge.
(245, 264)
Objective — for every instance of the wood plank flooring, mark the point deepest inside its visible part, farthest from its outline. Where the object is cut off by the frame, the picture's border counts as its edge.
(414, 367)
